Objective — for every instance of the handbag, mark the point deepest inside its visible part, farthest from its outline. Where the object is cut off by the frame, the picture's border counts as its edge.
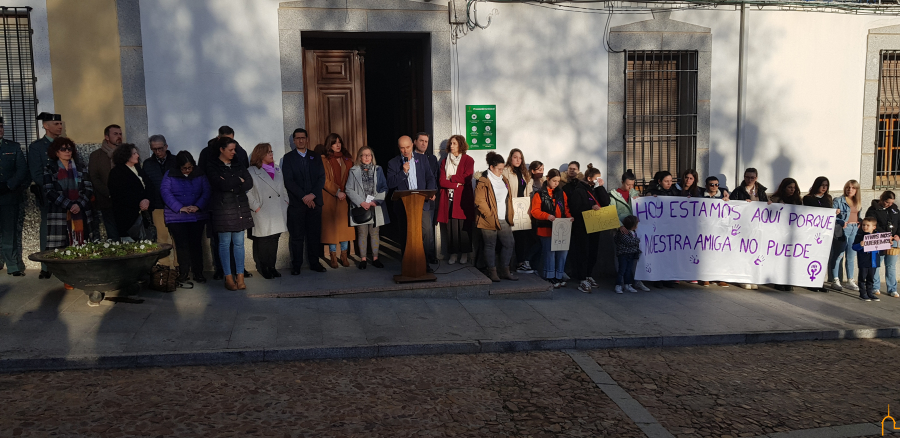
(163, 279)
(361, 216)
(143, 228)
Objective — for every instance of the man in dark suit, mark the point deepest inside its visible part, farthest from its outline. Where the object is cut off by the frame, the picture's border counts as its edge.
(411, 171)
(37, 161)
(304, 179)
(421, 144)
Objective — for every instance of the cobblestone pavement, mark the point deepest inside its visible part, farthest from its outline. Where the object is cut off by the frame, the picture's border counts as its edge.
(750, 390)
(522, 394)
(722, 391)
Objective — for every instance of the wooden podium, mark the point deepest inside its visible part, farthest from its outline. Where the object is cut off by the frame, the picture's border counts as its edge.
(414, 263)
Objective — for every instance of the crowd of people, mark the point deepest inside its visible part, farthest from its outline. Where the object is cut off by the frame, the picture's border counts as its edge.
(327, 196)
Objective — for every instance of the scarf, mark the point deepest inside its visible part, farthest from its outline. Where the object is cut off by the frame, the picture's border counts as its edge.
(337, 171)
(368, 178)
(270, 169)
(69, 181)
(452, 164)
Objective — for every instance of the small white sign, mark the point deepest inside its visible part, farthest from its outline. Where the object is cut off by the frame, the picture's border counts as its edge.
(876, 242)
(562, 232)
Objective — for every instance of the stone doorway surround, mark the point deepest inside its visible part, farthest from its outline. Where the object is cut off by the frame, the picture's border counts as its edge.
(370, 16)
(660, 33)
(881, 38)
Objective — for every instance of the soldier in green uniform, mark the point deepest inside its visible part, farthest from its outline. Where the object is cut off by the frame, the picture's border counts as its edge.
(37, 161)
(13, 177)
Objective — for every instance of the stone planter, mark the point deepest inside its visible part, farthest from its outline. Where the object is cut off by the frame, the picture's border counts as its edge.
(98, 276)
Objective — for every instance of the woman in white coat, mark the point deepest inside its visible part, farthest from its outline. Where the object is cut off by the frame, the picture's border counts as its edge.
(268, 204)
(366, 188)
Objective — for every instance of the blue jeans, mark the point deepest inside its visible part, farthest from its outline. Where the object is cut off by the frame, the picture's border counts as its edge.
(554, 261)
(625, 272)
(225, 241)
(344, 246)
(847, 254)
(890, 272)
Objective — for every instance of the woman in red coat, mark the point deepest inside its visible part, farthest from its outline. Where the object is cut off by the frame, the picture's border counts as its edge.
(457, 208)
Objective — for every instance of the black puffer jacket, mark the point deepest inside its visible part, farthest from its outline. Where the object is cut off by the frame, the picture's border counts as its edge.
(740, 193)
(230, 209)
(888, 218)
(582, 198)
(659, 191)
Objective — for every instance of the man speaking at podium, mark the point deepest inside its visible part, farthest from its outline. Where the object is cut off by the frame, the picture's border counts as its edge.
(410, 171)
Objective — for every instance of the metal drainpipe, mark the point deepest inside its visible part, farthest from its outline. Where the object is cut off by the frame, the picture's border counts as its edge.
(741, 102)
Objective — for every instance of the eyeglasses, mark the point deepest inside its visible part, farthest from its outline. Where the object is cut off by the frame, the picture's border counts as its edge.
(714, 184)
(157, 149)
(65, 149)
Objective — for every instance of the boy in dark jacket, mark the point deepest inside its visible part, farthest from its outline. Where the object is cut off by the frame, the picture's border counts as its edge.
(866, 261)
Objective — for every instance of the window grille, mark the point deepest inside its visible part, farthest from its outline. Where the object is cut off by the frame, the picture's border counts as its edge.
(18, 99)
(887, 152)
(660, 112)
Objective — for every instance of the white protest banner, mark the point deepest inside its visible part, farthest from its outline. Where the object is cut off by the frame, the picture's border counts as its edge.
(521, 214)
(736, 241)
(562, 232)
(876, 242)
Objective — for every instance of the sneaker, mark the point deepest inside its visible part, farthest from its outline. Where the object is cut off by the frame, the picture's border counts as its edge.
(528, 265)
(524, 268)
(836, 285)
(895, 294)
(864, 298)
(618, 289)
(593, 282)
(639, 285)
(754, 286)
(744, 285)
(850, 284)
(693, 282)
(724, 284)
(874, 298)
(585, 286)
(558, 284)
(704, 283)
(878, 292)
(628, 288)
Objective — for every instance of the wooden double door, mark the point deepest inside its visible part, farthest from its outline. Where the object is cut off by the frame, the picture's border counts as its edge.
(335, 96)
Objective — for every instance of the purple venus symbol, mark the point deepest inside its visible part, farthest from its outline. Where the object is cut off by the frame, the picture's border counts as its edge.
(814, 269)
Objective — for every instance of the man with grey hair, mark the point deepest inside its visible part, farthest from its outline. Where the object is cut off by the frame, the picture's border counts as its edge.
(161, 161)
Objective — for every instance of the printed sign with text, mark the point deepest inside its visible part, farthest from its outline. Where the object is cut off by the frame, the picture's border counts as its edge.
(481, 126)
(736, 241)
(876, 242)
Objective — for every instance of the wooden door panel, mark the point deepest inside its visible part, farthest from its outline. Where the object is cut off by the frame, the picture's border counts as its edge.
(334, 95)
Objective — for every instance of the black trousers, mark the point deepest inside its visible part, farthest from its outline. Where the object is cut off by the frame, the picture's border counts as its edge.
(305, 225)
(866, 281)
(188, 246)
(265, 251)
(583, 252)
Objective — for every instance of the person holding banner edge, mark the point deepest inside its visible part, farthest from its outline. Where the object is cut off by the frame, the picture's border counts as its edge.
(887, 216)
(621, 198)
(818, 197)
(548, 205)
(663, 185)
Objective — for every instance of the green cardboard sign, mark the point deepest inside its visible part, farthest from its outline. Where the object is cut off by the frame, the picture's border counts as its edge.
(481, 126)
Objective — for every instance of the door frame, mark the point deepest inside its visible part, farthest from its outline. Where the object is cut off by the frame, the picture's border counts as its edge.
(383, 19)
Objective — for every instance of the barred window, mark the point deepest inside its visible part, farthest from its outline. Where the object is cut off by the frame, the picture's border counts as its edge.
(660, 112)
(18, 100)
(887, 152)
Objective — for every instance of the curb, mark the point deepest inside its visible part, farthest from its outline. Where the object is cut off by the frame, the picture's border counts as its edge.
(225, 357)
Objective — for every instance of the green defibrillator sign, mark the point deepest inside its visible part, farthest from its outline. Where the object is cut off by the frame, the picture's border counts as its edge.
(481, 126)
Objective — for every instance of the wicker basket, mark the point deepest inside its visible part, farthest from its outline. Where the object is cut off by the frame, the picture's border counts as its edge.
(892, 251)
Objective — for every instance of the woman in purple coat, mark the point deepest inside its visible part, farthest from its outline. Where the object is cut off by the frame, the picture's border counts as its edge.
(186, 193)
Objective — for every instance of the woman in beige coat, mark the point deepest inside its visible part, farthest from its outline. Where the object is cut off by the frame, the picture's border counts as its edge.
(336, 227)
(268, 205)
(367, 180)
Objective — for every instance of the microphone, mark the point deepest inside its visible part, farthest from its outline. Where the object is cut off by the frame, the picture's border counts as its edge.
(405, 160)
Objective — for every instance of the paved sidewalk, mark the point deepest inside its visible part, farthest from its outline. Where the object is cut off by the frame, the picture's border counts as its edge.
(42, 326)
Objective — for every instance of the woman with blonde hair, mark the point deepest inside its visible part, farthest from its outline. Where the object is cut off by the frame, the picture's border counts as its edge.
(848, 205)
(366, 188)
(268, 206)
(336, 227)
